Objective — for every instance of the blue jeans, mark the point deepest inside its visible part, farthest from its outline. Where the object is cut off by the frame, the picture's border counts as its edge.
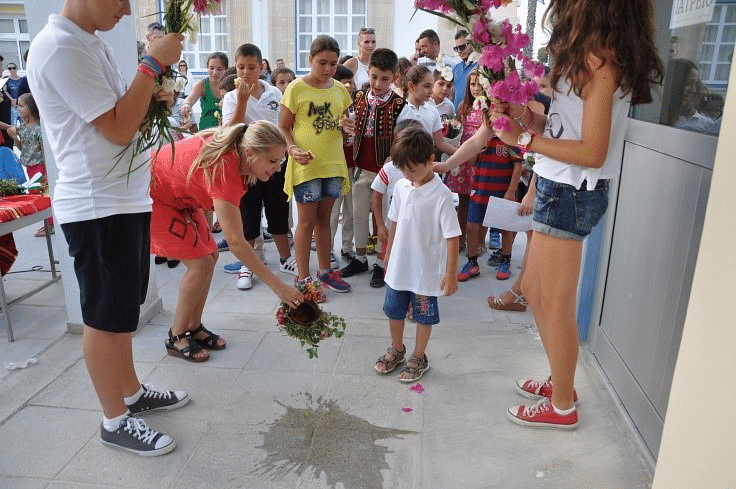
(424, 307)
(562, 211)
(318, 189)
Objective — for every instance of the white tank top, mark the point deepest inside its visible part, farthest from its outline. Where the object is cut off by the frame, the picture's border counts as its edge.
(361, 75)
(565, 121)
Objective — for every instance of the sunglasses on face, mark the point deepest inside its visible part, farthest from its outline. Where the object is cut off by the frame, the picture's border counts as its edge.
(460, 47)
(12, 68)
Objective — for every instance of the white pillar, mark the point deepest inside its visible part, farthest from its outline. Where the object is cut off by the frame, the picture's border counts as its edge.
(123, 41)
(259, 27)
(697, 448)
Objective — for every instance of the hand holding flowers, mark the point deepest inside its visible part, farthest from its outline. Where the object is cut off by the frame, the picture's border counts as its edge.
(498, 46)
(180, 17)
(307, 322)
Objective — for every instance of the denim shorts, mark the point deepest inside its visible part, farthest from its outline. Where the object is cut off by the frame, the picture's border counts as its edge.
(562, 211)
(424, 307)
(318, 189)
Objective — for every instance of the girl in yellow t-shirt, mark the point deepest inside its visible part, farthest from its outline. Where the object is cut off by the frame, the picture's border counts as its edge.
(313, 117)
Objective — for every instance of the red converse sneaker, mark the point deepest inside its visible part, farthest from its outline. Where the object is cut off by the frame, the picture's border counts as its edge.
(542, 415)
(534, 389)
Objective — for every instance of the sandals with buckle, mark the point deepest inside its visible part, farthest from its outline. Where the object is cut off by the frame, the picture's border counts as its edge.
(390, 360)
(414, 373)
(518, 304)
(210, 341)
(188, 352)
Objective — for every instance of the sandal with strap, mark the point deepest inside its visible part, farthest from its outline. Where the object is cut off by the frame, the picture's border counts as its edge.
(415, 373)
(208, 343)
(390, 360)
(188, 352)
(518, 304)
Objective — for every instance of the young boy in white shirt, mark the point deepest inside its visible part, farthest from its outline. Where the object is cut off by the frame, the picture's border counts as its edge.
(91, 116)
(255, 100)
(421, 255)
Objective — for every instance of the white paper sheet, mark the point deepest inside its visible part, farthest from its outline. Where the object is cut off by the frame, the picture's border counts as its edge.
(504, 214)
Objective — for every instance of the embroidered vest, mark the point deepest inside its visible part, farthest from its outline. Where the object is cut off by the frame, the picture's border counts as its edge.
(383, 124)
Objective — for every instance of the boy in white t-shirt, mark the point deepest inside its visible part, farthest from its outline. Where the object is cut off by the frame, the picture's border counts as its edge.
(255, 100)
(92, 116)
(421, 256)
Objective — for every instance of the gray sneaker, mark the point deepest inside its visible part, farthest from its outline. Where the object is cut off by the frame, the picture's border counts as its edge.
(134, 436)
(157, 400)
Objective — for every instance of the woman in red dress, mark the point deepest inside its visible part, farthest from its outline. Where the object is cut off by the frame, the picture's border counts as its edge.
(210, 171)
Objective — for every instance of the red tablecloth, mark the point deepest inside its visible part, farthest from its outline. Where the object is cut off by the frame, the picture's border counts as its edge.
(12, 208)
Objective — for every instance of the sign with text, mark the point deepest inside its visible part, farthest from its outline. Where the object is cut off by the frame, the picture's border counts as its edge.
(689, 12)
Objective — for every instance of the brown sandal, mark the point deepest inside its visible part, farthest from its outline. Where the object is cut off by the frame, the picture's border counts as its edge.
(188, 352)
(390, 360)
(415, 373)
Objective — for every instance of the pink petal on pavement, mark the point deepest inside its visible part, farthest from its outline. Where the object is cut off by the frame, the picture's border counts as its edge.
(418, 388)
(407, 410)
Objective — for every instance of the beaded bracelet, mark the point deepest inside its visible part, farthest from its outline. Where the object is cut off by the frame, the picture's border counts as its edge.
(154, 63)
(146, 70)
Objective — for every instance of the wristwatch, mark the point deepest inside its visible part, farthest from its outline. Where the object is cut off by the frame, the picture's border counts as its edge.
(525, 139)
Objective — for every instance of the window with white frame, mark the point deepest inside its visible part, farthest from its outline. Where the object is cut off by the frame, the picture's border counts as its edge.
(14, 40)
(718, 44)
(341, 19)
(212, 37)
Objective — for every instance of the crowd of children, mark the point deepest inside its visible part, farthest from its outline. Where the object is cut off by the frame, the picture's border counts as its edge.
(374, 156)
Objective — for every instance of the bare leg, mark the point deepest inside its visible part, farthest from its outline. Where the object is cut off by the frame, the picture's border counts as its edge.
(420, 348)
(193, 289)
(397, 333)
(552, 295)
(282, 245)
(506, 297)
(109, 361)
(462, 217)
(322, 233)
(507, 242)
(307, 212)
(471, 230)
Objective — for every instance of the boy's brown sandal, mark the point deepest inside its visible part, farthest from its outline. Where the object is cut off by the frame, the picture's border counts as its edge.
(388, 362)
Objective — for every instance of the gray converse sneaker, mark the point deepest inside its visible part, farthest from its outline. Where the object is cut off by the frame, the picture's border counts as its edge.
(154, 399)
(134, 436)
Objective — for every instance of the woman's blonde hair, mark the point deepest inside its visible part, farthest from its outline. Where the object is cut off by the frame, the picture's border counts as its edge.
(259, 137)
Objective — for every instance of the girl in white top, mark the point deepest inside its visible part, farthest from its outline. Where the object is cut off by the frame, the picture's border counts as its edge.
(359, 63)
(420, 83)
(580, 146)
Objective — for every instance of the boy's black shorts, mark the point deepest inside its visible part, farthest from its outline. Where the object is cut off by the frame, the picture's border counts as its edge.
(112, 262)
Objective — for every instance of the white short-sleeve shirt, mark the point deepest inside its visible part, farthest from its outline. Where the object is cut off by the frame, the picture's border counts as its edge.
(384, 183)
(425, 219)
(426, 114)
(74, 79)
(265, 108)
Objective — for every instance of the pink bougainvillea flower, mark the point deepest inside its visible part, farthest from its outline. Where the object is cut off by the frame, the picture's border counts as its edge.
(418, 388)
(502, 124)
(433, 5)
(407, 410)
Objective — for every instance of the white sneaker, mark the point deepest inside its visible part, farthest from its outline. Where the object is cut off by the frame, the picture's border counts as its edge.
(289, 266)
(245, 279)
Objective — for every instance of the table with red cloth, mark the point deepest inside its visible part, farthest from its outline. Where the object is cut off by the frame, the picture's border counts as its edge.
(17, 212)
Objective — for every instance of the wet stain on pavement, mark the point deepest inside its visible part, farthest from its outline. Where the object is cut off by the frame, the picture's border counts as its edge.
(322, 439)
